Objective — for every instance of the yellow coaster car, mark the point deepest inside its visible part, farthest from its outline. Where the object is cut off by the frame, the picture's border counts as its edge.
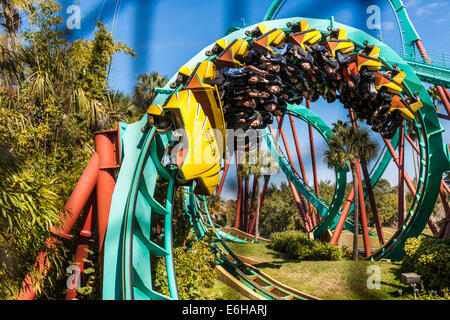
(260, 29)
(341, 44)
(306, 35)
(370, 61)
(273, 38)
(233, 55)
(208, 97)
(415, 106)
(393, 85)
(198, 109)
(407, 112)
(204, 70)
(218, 47)
(183, 75)
(197, 156)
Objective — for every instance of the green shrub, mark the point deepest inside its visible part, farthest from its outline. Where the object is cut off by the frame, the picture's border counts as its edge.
(423, 294)
(319, 251)
(429, 257)
(299, 246)
(286, 241)
(195, 272)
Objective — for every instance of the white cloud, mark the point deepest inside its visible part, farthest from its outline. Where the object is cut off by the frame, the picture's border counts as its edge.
(387, 26)
(440, 21)
(429, 8)
(412, 3)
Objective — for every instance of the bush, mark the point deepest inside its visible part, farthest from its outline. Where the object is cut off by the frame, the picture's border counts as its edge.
(299, 246)
(319, 251)
(280, 241)
(279, 213)
(195, 272)
(429, 257)
(423, 294)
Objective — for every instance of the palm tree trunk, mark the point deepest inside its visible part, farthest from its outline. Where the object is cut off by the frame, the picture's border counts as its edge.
(252, 205)
(356, 211)
(11, 24)
(246, 199)
(238, 202)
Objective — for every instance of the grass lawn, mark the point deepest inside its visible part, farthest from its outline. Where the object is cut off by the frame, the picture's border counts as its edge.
(337, 280)
(221, 291)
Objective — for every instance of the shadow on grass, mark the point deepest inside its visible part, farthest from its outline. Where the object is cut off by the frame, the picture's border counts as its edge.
(269, 265)
(278, 259)
(358, 280)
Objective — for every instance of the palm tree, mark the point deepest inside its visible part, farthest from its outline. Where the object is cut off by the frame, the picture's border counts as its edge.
(262, 164)
(435, 96)
(144, 93)
(244, 172)
(349, 145)
(11, 22)
(267, 166)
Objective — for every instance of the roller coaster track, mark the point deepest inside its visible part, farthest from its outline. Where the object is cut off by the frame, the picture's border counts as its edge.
(434, 70)
(130, 242)
(258, 282)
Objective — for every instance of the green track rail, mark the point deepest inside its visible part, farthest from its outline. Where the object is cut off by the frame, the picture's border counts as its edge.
(225, 257)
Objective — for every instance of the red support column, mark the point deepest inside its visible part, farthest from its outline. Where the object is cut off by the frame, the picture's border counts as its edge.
(362, 204)
(306, 221)
(267, 178)
(302, 167)
(407, 180)
(263, 192)
(99, 172)
(344, 213)
(42, 266)
(373, 204)
(81, 252)
(79, 197)
(445, 228)
(362, 209)
(302, 203)
(72, 210)
(401, 173)
(246, 198)
(237, 217)
(313, 153)
(224, 175)
(106, 145)
(444, 98)
(253, 209)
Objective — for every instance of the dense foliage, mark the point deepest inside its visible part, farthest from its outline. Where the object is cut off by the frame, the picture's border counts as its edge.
(222, 211)
(299, 246)
(429, 257)
(280, 212)
(195, 271)
(53, 96)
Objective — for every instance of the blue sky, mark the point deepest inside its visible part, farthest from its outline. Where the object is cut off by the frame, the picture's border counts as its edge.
(166, 34)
